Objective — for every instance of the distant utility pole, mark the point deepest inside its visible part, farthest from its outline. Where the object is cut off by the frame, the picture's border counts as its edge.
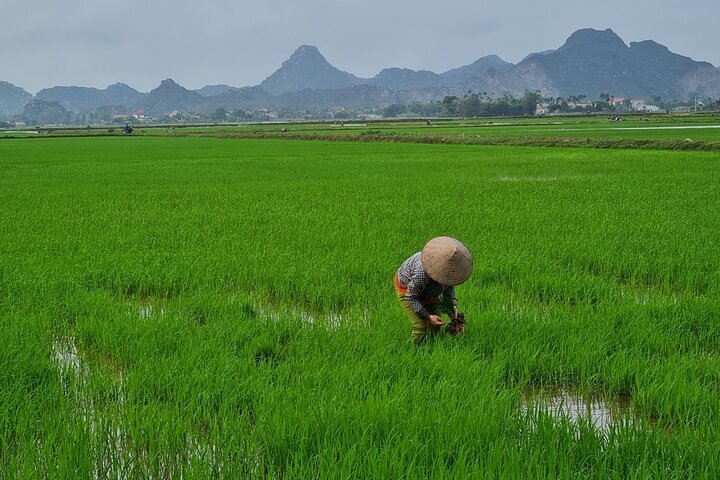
(697, 102)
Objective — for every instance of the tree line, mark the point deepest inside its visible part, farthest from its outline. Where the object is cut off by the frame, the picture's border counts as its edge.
(483, 105)
(469, 105)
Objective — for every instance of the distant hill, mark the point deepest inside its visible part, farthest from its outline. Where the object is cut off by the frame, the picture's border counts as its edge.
(307, 69)
(404, 79)
(75, 99)
(167, 97)
(41, 112)
(544, 52)
(120, 94)
(214, 90)
(241, 98)
(84, 99)
(478, 67)
(12, 99)
(592, 62)
(351, 97)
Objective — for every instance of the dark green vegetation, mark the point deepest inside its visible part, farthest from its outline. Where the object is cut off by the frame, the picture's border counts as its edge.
(224, 307)
(656, 131)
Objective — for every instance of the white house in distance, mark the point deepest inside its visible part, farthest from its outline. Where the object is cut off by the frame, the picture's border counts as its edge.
(632, 104)
(640, 106)
(635, 104)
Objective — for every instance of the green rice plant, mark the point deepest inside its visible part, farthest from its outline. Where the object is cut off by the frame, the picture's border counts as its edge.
(215, 307)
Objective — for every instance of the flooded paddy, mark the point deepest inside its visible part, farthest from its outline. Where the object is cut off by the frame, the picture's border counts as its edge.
(601, 411)
(113, 449)
(125, 355)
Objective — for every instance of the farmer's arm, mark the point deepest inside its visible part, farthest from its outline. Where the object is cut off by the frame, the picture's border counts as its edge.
(450, 293)
(415, 287)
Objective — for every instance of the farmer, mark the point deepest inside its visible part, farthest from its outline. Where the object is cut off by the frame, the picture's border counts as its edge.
(425, 284)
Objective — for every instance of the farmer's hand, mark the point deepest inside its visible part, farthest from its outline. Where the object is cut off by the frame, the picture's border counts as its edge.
(436, 320)
(457, 324)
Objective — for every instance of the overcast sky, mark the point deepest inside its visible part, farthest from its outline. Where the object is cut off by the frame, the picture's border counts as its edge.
(94, 43)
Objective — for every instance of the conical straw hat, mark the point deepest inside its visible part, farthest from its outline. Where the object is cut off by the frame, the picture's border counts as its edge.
(446, 260)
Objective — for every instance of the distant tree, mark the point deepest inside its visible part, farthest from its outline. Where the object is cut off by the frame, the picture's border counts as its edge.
(656, 100)
(429, 109)
(415, 108)
(392, 111)
(471, 106)
(238, 115)
(529, 102)
(559, 104)
(432, 109)
(505, 105)
(451, 106)
(220, 115)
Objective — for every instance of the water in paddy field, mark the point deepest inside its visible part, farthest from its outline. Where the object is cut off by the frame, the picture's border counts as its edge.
(144, 309)
(109, 447)
(601, 411)
(509, 178)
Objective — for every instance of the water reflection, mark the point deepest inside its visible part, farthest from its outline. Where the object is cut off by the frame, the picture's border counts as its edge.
(602, 411)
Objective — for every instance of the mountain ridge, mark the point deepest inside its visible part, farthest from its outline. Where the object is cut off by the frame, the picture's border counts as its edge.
(590, 62)
(13, 99)
(79, 99)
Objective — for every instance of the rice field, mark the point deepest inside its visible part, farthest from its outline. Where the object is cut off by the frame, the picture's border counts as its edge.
(180, 307)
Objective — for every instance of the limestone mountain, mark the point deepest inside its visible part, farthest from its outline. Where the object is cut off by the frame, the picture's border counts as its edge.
(12, 99)
(478, 67)
(356, 96)
(42, 112)
(214, 90)
(120, 94)
(425, 86)
(84, 99)
(75, 99)
(404, 79)
(307, 69)
(592, 62)
(239, 98)
(168, 97)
